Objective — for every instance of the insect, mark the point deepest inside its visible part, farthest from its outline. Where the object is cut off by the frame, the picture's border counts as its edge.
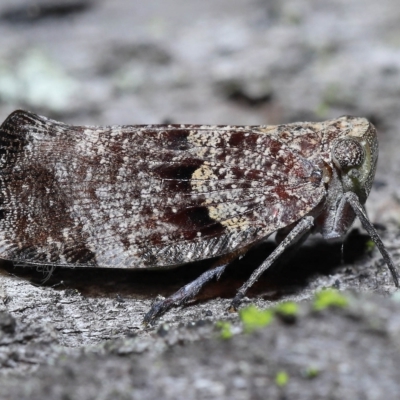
(165, 195)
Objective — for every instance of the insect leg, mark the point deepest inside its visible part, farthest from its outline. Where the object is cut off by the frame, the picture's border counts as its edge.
(187, 292)
(183, 295)
(303, 226)
(352, 199)
(292, 248)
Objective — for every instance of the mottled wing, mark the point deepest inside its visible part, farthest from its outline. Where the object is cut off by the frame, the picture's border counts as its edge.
(139, 196)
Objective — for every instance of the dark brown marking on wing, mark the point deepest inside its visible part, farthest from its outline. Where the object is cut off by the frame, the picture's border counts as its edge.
(194, 219)
(242, 139)
(176, 139)
(176, 177)
(182, 171)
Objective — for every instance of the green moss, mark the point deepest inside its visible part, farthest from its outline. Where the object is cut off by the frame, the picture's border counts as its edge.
(225, 329)
(311, 372)
(329, 298)
(287, 309)
(253, 318)
(370, 246)
(281, 378)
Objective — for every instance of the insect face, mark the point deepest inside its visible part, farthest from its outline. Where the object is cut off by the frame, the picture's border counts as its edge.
(355, 157)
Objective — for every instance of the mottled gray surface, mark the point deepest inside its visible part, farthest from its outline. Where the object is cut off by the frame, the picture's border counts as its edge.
(220, 62)
(333, 354)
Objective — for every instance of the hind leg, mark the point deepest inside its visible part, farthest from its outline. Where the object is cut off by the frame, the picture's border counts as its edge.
(189, 291)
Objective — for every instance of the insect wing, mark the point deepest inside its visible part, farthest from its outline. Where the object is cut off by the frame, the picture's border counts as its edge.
(139, 196)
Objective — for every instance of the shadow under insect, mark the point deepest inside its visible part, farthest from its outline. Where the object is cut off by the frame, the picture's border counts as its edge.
(290, 274)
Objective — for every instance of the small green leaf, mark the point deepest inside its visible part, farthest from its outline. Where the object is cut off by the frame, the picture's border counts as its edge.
(329, 298)
(287, 308)
(281, 378)
(253, 318)
(225, 329)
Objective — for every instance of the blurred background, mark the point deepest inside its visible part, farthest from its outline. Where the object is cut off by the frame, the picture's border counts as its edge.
(212, 61)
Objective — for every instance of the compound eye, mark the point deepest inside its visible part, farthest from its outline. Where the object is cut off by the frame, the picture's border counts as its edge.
(348, 153)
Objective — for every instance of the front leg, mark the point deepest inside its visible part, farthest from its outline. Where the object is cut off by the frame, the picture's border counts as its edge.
(302, 227)
(352, 199)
